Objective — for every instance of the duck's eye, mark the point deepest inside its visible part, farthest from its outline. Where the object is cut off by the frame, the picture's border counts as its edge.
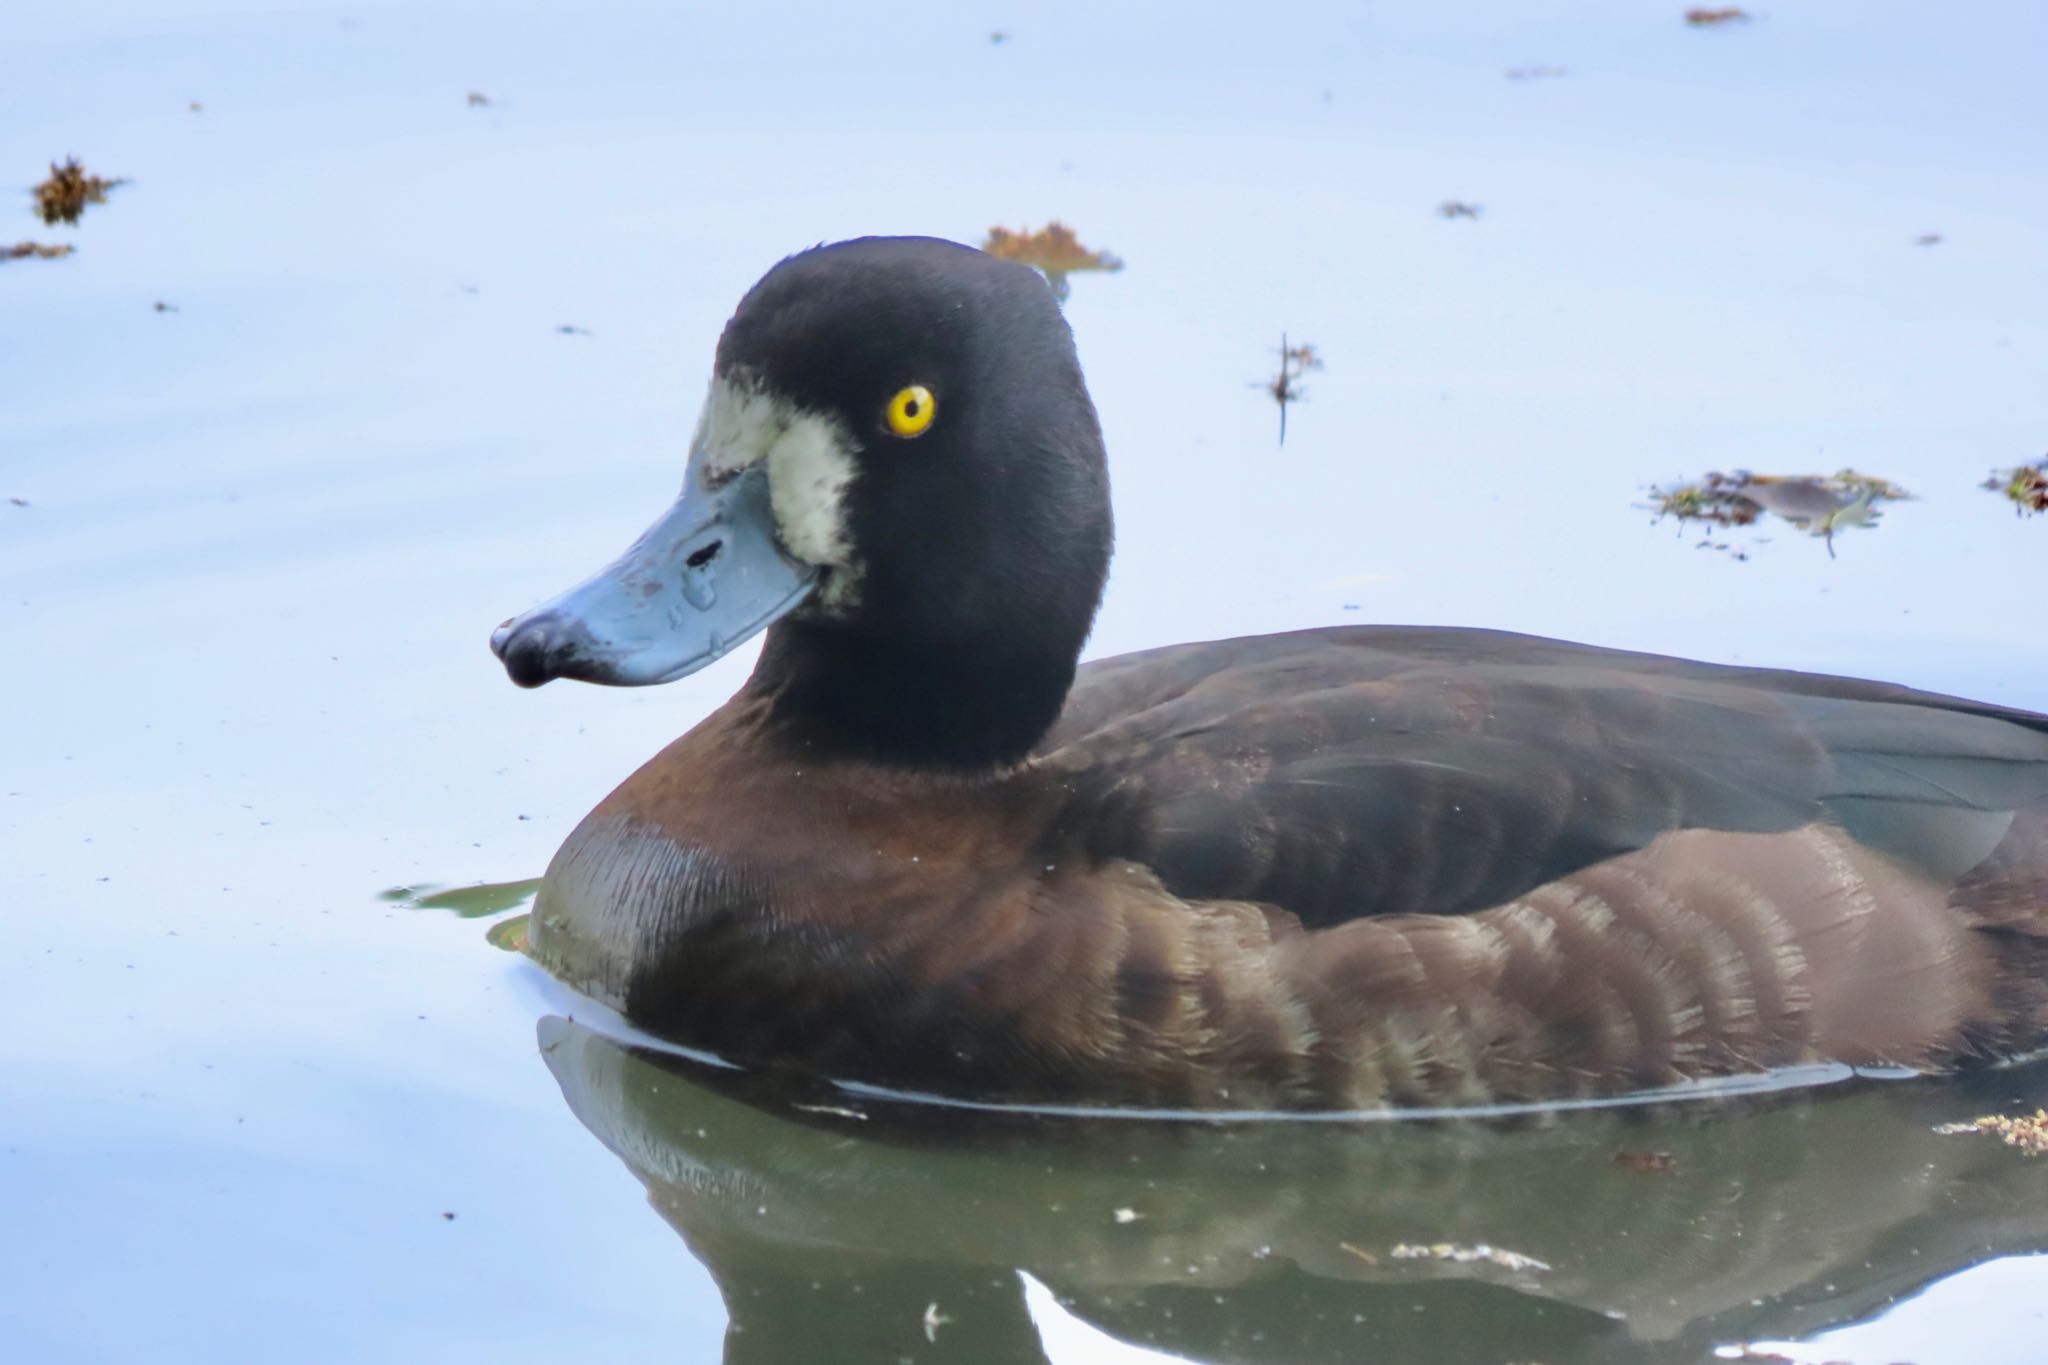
(911, 411)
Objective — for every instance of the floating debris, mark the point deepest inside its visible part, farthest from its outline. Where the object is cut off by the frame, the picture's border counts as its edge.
(1054, 251)
(1647, 1163)
(469, 902)
(1285, 387)
(2025, 485)
(1464, 1255)
(42, 251)
(571, 330)
(1928, 239)
(18, 502)
(196, 107)
(1716, 499)
(162, 307)
(1127, 1215)
(1458, 208)
(2028, 1132)
(998, 38)
(1360, 1252)
(837, 1111)
(1703, 17)
(477, 99)
(1740, 556)
(1817, 505)
(512, 934)
(63, 197)
(933, 1321)
(1536, 73)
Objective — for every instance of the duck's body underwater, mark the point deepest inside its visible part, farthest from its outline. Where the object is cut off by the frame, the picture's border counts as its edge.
(1339, 868)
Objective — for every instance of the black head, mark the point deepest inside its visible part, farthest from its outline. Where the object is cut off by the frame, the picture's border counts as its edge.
(899, 468)
(970, 535)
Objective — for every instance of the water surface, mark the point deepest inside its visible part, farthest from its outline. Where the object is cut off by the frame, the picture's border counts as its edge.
(253, 1111)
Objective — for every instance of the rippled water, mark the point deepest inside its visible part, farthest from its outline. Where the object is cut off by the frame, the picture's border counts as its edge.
(253, 1109)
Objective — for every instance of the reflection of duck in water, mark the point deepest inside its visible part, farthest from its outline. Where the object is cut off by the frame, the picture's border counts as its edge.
(1346, 867)
(840, 1225)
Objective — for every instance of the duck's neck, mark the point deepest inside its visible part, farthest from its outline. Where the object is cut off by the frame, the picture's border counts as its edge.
(960, 706)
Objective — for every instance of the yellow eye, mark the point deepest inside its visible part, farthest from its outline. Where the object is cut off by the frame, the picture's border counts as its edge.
(911, 411)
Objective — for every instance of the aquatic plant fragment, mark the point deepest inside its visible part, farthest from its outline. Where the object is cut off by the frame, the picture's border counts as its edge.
(42, 251)
(1054, 251)
(469, 902)
(510, 934)
(2028, 1132)
(1816, 504)
(64, 196)
(2026, 486)
(1285, 387)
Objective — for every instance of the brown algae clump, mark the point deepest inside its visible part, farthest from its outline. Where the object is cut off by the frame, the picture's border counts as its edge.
(64, 196)
(1053, 250)
(42, 251)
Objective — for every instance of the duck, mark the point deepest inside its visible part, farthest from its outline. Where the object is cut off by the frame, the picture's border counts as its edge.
(1353, 868)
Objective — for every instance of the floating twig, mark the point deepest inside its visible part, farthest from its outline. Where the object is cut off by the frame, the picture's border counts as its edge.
(1285, 387)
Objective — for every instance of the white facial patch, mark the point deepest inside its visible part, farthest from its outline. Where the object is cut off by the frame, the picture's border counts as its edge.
(809, 458)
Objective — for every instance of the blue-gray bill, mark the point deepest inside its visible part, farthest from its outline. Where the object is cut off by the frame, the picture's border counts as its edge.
(709, 575)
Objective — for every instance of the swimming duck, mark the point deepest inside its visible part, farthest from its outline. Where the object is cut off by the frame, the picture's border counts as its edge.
(1344, 868)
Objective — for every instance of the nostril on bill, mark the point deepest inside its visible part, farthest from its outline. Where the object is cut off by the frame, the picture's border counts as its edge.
(704, 555)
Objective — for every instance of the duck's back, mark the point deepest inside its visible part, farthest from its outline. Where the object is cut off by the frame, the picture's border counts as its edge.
(1582, 860)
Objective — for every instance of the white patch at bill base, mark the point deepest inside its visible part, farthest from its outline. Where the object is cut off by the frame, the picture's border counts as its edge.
(810, 461)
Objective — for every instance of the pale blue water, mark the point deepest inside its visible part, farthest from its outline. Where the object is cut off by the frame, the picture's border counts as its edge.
(267, 534)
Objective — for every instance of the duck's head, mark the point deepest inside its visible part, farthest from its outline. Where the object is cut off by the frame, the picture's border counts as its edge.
(898, 474)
